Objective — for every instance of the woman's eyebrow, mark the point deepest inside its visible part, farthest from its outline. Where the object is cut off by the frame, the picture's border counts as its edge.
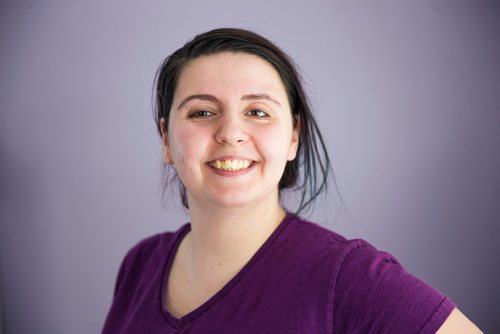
(208, 97)
(203, 97)
(260, 97)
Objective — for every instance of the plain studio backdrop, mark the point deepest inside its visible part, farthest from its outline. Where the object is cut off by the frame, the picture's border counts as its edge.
(407, 94)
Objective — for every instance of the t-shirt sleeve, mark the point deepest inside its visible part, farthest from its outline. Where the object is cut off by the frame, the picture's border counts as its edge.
(119, 277)
(374, 294)
(132, 268)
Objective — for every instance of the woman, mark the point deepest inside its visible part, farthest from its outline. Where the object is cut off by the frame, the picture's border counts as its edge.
(237, 130)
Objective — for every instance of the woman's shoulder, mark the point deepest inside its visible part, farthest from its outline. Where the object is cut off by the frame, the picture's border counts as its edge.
(154, 246)
(371, 290)
(314, 237)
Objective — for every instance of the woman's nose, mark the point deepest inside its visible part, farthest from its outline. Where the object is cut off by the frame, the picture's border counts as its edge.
(231, 131)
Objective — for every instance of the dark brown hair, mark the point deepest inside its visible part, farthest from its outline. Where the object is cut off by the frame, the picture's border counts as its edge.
(308, 172)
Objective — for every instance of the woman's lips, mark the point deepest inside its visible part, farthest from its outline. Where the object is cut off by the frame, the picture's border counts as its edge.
(231, 167)
(230, 164)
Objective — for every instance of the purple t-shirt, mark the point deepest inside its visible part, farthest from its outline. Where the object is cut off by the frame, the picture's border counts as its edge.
(303, 279)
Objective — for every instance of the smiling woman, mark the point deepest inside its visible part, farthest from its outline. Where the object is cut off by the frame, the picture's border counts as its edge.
(312, 157)
(233, 112)
(237, 129)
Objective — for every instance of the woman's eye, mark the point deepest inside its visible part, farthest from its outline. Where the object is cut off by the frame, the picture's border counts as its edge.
(258, 113)
(200, 114)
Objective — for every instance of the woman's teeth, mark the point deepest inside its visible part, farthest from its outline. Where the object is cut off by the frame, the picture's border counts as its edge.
(230, 164)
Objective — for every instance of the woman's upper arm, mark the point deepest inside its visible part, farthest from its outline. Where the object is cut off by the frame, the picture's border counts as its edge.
(458, 323)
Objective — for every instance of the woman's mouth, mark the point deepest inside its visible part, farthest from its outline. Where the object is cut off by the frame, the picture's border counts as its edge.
(230, 165)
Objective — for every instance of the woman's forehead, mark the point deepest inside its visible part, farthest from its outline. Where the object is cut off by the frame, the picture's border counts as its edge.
(228, 72)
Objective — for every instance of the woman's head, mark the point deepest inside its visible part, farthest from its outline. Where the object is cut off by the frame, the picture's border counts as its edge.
(308, 172)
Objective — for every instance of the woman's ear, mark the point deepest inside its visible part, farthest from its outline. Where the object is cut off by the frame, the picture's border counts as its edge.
(294, 145)
(164, 138)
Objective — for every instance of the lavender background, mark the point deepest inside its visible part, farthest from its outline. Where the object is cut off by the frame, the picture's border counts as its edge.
(407, 94)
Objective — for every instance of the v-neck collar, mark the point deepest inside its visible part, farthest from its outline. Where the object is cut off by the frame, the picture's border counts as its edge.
(180, 322)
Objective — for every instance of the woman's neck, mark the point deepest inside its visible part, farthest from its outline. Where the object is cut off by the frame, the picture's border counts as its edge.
(222, 240)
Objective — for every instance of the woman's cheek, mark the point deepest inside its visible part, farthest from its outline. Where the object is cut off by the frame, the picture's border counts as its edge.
(192, 141)
(275, 138)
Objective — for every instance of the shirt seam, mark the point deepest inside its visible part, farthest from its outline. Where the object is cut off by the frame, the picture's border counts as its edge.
(358, 243)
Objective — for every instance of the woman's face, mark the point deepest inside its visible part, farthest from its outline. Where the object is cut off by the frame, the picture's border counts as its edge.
(230, 130)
